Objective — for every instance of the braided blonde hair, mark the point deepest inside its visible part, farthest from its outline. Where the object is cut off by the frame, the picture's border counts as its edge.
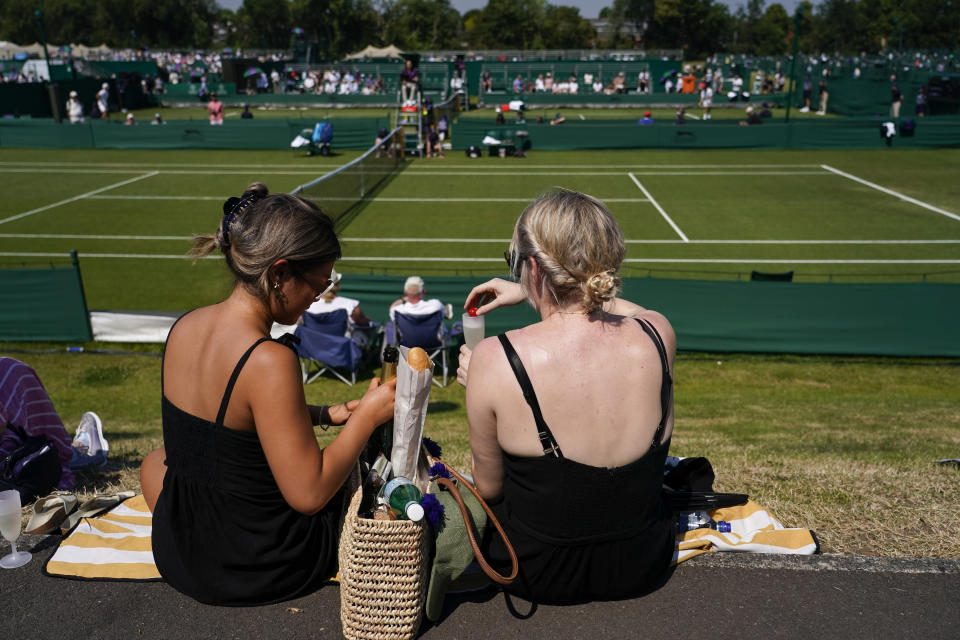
(577, 245)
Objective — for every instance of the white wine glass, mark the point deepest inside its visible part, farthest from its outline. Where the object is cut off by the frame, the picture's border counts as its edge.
(10, 520)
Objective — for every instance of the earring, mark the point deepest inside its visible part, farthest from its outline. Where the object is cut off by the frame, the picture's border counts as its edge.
(278, 292)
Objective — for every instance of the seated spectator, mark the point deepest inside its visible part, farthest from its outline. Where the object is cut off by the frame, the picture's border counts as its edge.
(518, 84)
(486, 81)
(432, 142)
(578, 490)
(26, 410)
(573, 85)
(681, 116)
(158, 119)
(414, 303)
(765, 112)
(646, 119)
(548, 82)
(246, 114)
(332, 301)
(618, 83)
(558, 119)
(752, 118)
(597, 85)
(130, 121)
(538, 84)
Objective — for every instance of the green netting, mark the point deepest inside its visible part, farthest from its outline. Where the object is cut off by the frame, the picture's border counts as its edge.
(343, 193)
(915, 319)
(349, 133)
(43, 303)
(715, 134)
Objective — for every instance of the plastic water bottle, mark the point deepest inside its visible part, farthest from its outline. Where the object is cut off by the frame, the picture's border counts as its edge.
(700, 520)
(404, 498)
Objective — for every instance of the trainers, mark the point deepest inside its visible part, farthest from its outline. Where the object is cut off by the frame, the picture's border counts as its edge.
(805, 110)
(89, 437)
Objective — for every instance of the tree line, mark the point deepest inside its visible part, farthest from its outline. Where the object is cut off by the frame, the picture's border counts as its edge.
(698, 27)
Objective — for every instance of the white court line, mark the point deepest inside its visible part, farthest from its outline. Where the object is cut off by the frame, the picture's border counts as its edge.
(891, 192)
(659, 208)
(212, 172)
(349, 199)
(407, 174)
(68, 236)
(75, 198)
(413, 165)
(167, 256)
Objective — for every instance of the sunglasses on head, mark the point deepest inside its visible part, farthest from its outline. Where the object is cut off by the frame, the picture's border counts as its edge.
(514, 262)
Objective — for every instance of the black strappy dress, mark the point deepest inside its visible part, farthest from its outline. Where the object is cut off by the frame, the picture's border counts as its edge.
(584, 533)
(222, 532)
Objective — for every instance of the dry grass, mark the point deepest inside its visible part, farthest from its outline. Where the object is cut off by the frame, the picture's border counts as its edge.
(842, 446)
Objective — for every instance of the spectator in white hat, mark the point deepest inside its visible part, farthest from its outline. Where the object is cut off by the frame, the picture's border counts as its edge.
(74, 109)
(414, 303)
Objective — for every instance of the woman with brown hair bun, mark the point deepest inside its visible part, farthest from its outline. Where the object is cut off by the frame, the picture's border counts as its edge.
(245, 503)
(571, 417)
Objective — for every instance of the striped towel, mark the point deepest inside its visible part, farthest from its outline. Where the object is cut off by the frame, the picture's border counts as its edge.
(752, 530)
(115, 545)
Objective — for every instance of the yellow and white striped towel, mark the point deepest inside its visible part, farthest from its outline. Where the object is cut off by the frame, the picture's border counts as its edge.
(752, 530)
(113, 546)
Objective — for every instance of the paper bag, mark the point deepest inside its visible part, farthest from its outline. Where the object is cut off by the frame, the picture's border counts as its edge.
(409, 414)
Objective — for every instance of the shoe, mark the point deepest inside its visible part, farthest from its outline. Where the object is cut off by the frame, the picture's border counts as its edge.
(821, 113)
(92, 507)
(805, 110)
(50, 512)
(89, 437)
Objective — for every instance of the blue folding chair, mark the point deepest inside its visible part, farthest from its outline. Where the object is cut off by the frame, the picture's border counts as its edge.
(426, 332)
(325, 347)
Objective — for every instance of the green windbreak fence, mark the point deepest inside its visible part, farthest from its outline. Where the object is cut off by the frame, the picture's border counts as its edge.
(716, 134)
(43, 303)
(914, 319)
(348, 133)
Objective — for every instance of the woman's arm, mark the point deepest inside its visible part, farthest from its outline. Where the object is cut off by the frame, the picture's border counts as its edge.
(306, 475)
(486, 456)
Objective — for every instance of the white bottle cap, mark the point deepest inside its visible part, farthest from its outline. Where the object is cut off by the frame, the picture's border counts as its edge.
(414, 512)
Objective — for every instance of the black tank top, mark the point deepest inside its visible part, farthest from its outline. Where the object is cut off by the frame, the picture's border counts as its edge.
(222, 531)
(583, 532)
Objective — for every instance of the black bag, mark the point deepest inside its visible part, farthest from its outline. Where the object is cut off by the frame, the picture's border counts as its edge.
(473, 151)
(33, 468)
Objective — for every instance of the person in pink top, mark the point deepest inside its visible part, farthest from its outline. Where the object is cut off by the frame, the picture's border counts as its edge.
(215, 108)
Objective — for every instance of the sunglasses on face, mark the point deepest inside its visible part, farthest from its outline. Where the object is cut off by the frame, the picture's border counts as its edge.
(514, 262)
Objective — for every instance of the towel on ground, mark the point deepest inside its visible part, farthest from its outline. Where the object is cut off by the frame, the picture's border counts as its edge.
(752, 530)
(115, 545)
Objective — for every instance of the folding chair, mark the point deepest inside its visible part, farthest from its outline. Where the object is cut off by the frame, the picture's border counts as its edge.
(324, 345)
(426, 332)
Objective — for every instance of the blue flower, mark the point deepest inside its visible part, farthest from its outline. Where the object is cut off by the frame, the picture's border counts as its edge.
(439, 470)
(432, 510)
(432, 448)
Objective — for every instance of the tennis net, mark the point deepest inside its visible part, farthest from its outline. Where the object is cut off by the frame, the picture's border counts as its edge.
(342, 192)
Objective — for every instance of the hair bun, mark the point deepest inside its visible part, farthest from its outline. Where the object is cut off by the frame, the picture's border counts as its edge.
(602, 287)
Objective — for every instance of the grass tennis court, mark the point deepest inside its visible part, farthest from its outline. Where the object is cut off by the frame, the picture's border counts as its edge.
(848, 215)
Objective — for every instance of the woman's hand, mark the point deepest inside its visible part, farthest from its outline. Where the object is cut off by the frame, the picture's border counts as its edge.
(334, 415)
(376, 405)
(494, 294)
(463, 365)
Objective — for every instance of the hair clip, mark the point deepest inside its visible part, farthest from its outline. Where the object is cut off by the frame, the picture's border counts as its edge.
(234, 207)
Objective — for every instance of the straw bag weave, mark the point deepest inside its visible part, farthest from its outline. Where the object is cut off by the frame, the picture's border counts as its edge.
(383, 573)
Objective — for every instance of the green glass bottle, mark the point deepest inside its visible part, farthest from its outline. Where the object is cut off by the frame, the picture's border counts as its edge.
(404, 498)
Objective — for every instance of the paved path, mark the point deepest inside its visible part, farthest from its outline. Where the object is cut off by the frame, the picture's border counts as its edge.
(723, 596)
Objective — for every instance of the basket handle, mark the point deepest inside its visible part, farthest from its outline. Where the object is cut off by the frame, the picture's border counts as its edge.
(477, 553)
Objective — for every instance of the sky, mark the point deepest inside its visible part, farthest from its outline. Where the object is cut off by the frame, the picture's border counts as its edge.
(588, 8)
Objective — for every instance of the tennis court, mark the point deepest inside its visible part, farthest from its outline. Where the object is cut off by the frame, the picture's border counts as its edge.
(847, 215)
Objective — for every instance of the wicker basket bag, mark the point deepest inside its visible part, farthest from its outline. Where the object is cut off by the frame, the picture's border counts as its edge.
(383, 573)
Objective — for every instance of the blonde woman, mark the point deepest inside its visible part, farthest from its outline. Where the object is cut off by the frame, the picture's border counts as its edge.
(245, 503)
(571, 417)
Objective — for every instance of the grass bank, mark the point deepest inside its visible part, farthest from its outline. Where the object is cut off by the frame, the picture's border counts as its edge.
(844, 446)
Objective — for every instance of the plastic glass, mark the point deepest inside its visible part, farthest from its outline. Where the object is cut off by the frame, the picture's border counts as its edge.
(472, 330)
(10, 528)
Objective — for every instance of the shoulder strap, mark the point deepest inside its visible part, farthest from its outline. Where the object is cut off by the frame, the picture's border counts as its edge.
(666, 384)
(233, 378)
(547, 440)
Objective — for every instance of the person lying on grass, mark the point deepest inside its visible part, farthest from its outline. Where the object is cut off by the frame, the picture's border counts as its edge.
(578, 487)
(245, 503)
